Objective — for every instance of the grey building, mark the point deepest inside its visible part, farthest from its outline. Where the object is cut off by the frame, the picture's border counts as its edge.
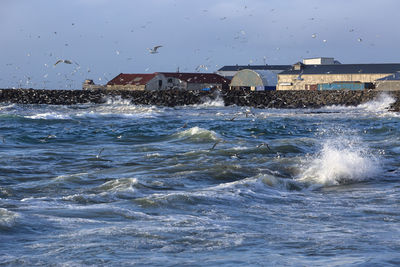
(230, 71)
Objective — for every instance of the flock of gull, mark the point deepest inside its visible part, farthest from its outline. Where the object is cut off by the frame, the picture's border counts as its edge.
(241, 36)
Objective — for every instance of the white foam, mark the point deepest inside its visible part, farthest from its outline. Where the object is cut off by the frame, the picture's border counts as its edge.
(118, 101)
(7, 218)
(198, 134)
(119, 185)
(218, 102)
(49, 116)
(340, 161)
(381, 103)
(7, 106)
(120, 110)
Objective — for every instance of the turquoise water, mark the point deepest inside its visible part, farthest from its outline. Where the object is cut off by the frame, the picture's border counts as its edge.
(207, 185)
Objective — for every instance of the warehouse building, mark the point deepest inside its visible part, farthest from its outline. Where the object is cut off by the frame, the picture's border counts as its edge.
(139, 82)
(168, 81)
(254, 80)
(230, 71)
(312, 73)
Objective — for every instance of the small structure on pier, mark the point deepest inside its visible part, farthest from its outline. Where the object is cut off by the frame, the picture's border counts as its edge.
(90, 85)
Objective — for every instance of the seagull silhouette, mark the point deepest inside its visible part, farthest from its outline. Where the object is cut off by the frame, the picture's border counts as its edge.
(66, 61)
(215, 144)
(98, 154)
(154, 49)
(264, 144)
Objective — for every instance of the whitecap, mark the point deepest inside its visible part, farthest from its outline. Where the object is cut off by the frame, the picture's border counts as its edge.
(119, 185)
(381, 103)
(7, 218)
(340, 161)
(49, 116)
(197, 134)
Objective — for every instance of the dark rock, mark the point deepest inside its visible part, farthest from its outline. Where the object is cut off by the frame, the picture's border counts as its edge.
(268, 99)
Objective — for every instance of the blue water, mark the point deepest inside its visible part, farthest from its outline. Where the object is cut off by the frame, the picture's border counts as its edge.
(207, 185)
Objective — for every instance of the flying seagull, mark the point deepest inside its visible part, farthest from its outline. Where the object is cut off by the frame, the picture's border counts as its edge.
(264, 144)
(98, 154)
(66, 61)
(215, 144)
(154, 49)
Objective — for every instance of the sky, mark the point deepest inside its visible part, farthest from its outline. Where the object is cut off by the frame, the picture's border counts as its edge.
(102, 38)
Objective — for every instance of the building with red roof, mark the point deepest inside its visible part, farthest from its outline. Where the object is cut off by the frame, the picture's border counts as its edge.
(141, 82)
(168, 81)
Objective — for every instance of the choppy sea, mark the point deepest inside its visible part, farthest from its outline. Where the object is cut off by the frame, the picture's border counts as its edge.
(118, 184)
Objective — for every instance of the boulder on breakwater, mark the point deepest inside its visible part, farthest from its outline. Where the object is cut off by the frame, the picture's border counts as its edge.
(171, 98)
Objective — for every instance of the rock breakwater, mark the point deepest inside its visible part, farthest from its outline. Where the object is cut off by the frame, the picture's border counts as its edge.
(262, 99)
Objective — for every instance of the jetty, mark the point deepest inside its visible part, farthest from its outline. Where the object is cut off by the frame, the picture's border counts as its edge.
(171, 98)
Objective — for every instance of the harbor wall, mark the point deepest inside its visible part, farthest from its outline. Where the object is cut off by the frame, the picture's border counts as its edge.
(170, 98)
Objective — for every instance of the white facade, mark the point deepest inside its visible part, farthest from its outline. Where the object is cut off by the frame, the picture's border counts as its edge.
(319, 61)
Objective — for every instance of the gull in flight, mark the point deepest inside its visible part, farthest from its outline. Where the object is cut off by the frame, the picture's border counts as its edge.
(66, 61)
(154, 49)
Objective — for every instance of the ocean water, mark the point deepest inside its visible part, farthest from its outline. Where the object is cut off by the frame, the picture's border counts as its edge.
(207, 185)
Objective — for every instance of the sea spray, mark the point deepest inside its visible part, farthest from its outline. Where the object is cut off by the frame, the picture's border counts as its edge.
(340, 161)
(381, 103)
(215, 100)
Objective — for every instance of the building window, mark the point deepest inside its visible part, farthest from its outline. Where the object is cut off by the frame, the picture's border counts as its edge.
(159, 84)
(170, 80)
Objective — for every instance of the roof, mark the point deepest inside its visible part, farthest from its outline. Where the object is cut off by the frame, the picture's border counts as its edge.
(255, 67)
(392, 77)
(197, 77)
(344, 69)
(134, 79)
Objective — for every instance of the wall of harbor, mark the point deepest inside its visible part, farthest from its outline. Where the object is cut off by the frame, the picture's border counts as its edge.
(261, 99)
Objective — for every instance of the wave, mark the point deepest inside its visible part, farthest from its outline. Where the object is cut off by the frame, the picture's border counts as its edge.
(7, 218)
(49, 116)
(6, 106)
(212, 102)
(112, 108)
(123, 188)
(197, 134)
(381, 103)
(118, 107)
(119, 185)
(261, 186)
(118, 101)
(340, 161)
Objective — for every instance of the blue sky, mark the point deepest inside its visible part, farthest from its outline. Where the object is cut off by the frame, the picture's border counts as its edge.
(107, 37)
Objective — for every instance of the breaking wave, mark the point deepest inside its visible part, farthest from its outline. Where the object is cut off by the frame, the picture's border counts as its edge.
(197, 134)
(49, 116)
(381, 103)
(7, 218)
(340, 162)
